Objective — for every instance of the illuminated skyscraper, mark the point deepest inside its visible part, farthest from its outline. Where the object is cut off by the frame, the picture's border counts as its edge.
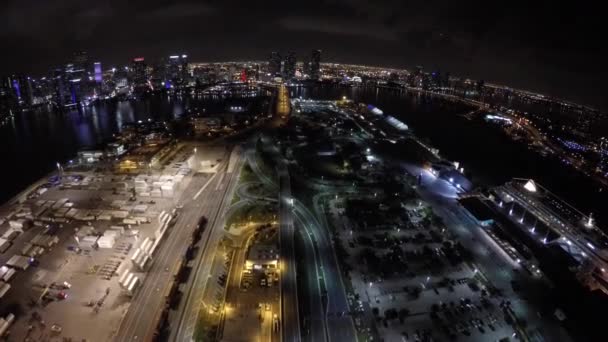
(138, 71)
(97, 70)
(274, 64)
(603, 165)
(176, 70)
(7, 98)
(315, 65)
(289, 67)
(81, 62)
(22, 88)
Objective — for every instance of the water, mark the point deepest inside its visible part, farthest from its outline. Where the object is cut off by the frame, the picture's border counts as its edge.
(490, 156)
(35, 141)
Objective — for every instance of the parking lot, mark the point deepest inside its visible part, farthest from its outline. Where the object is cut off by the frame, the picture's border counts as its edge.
(413, 281)
(254, 308)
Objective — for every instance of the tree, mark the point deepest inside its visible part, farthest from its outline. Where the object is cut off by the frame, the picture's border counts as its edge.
(390, 314)
(403, 313)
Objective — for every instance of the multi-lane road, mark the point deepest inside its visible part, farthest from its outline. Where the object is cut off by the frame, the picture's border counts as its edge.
(217, 198)
(139, 321)
(203, 197)
(289, 282)
(329, 300)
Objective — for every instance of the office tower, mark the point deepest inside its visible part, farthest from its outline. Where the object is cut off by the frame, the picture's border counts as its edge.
(7, 98)
(289, 69)
(22, 89)
(315, 65)
(185, 70)
(81, 62)
(445, 80)
(77, 90)
(435, 79)
(98, 73)
(306, 66)
(139, 74)
(61, 87)
(176, 70)
(603, 164)
(274, 64)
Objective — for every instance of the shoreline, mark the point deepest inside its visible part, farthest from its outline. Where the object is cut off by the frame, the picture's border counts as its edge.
(21, 195)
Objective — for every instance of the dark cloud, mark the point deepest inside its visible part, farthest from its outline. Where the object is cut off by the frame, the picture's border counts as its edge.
(557, 48)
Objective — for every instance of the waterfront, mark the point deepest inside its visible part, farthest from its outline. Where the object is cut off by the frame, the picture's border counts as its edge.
(483, 150)
(34, 141)
(45, 137)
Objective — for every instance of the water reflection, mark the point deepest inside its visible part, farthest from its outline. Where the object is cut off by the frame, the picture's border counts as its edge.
(33, 142)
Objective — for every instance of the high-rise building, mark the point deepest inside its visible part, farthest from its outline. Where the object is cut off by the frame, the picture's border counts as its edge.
(274, 64)
(289, 67)
(7, 98)
(139, 75)
(315, 65)
(22, 88)
(81, 62)
(306, 66)
(176, 70)
(603, 148)
(98, 74)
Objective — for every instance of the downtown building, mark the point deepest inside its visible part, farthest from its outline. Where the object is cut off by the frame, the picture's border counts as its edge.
(315, 65)
(289, 66)
(275, 64)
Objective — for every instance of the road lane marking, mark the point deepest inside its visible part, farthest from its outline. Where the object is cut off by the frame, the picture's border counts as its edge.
(203, 188)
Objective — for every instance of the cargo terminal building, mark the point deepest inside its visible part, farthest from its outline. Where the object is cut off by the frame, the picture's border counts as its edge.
(146, 156)
(551, 221)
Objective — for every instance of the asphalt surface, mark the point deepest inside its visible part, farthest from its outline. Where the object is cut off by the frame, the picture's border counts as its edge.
(334, 324)
(289, 286)
(339, 324)
(290, 321)
(139, 320)
(215, 201)
(496, 268)
(314, 294)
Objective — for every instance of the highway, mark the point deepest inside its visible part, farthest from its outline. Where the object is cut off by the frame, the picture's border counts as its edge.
(334, 325)
(139, 320)
(199, 198)
(217, 199)
(316, 309)
(290, 321)
(339, 324)
(289, 286)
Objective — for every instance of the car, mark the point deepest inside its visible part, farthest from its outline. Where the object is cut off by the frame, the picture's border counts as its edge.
(263, 282)
(61, 286)
(62, 295)
(56, 328)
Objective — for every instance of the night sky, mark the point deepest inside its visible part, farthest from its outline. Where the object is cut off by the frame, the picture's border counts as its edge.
(553, 48)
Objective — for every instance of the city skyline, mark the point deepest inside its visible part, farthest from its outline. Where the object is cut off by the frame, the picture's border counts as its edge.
(317, 171)
(533, 50)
